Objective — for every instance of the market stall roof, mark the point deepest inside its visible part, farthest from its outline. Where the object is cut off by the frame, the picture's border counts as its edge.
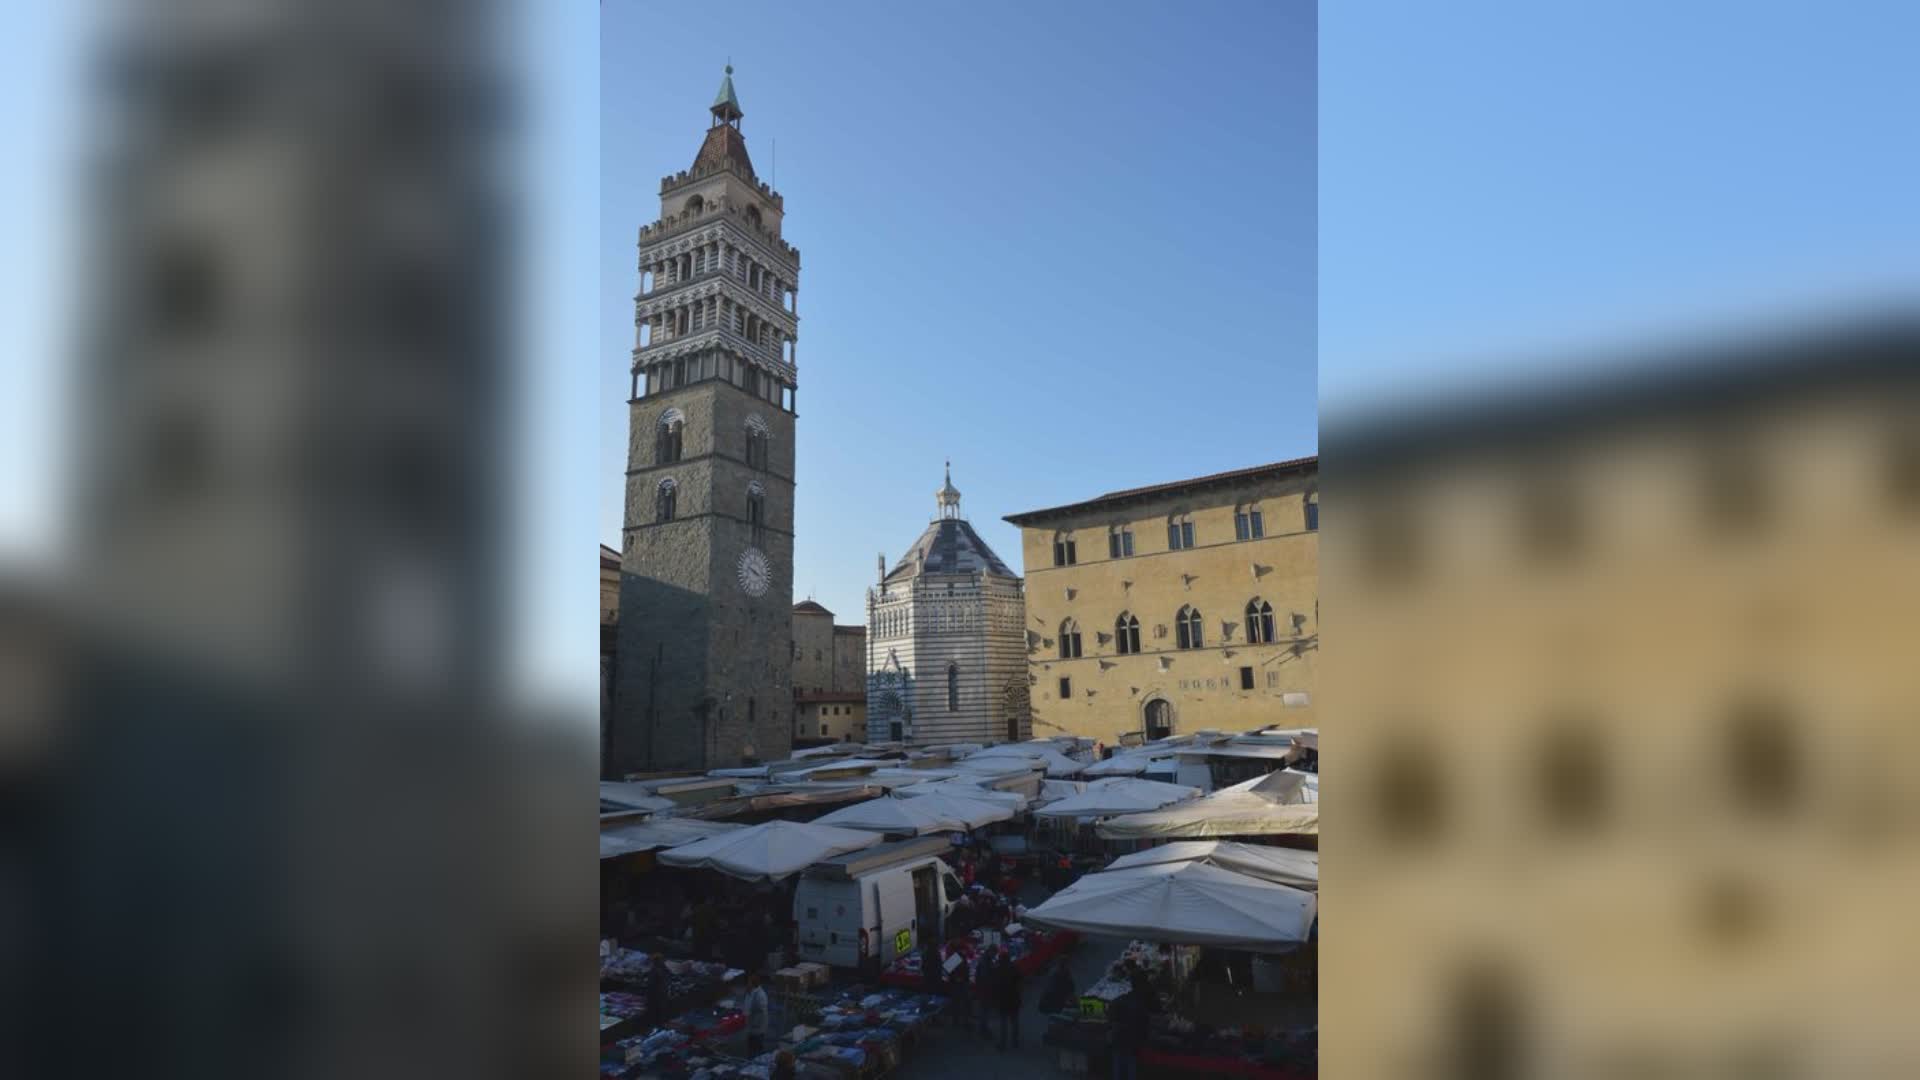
(995, 768)
(1118, 795)
(1264, 806)
(1188, 903)
(967, 789)
(972, 809)
(769, 851)
(658, 833)
(1054, 790)
(781, 796)
(1131, 763)
(1055, 762)
(912, 817)
(1283, 866)
(633, 796)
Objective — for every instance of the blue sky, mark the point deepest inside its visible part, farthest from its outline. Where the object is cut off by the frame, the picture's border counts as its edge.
(1069, 247)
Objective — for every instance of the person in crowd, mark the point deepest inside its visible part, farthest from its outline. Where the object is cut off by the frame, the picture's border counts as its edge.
(984, 983)
(1008, 982)
(960, 995)
(931, 977)
(960, 921)
(1059, 991)
(658, 990)
(1127, 1028)
(783, 1066)
(756, 1010)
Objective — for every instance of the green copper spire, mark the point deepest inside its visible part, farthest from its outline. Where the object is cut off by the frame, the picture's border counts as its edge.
(726, 105)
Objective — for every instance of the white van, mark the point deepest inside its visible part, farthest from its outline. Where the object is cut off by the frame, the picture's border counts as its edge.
(868, 906)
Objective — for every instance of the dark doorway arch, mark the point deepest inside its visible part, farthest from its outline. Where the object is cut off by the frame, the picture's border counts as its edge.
(1159, 719)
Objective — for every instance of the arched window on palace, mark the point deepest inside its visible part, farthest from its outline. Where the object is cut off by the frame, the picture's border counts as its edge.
(1186, 625)
(1063, 549)
(667, 439)
(1069, 640)
(1126, 634)
(953, 688)
(663, 500)
(1259, 622)
(1179, 532)
(1119, 542)
(1247, 524)
(1313, 511)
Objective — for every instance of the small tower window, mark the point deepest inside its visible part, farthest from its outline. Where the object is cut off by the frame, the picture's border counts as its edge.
(1126, 634)
(756, 511)
(663, 500)
(667, 439)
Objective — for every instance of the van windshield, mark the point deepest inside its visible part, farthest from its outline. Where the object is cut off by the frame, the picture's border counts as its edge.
(953, 886)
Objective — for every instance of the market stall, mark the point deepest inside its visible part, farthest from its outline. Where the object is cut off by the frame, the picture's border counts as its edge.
(1030, 948)
(1270, 805)
(769, 851)
(1117, 795)
(1284, 866)
(1188, 903)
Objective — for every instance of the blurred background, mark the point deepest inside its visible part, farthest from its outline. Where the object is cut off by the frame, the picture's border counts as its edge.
(1616, 337)
(1617, 361)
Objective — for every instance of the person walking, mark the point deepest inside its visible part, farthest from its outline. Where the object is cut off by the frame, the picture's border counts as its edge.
(1059, 991)
(1127, 1023)
(960, 991)
(756, 1010)
(984, 983)
(1007, 976)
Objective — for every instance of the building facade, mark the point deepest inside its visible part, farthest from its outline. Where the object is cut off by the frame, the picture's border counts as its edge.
(945, 646)
(829, 677)
(707, 560)
(1176, 608)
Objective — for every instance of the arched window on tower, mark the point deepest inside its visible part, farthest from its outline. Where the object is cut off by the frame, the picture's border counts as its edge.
(759, 439)
(663, 498)
(1126, 633)
(1187, 632)
(1069, 640)
(1259, 622)
(756, 511)
(667, 439)
(694, 204)
(953, 688)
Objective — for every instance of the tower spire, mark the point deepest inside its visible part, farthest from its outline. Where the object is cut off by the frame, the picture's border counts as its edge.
(948, 497)
(726, 104)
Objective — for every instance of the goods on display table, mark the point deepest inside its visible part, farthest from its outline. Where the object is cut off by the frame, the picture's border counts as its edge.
(1031, 948)
(1176, 1043)
(861, 1032)
(624, 975)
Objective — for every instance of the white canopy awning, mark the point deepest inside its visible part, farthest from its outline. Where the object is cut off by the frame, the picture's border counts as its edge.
(1118, 795)
(909, 817)
(1188, 903)
(770, 851)
(973, 808)
(1054, 790)
(1264, 806)
(1040, 754)
(658, 833)
(1282, 866)
(633, 796)
(968, 789)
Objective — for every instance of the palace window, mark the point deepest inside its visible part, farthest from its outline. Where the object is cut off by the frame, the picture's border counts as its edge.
(1126, 634)
(1069, 640)
(1066, 689)
(1187, 628)
(1313, 511)
(1064, 553)
(663, 499)
(1246, 678)
(1179, 532)
(1119, 542)
(1247, 524)
(1259, 622)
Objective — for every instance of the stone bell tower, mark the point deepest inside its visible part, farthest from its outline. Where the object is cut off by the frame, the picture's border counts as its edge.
(706, 594)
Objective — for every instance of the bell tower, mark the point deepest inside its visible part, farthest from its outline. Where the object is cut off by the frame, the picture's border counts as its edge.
(706, 594)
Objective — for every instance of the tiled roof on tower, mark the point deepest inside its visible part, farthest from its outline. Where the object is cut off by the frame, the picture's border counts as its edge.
(724, 143)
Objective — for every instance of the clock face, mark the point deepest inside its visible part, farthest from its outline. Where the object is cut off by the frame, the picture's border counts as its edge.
(755, 574)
